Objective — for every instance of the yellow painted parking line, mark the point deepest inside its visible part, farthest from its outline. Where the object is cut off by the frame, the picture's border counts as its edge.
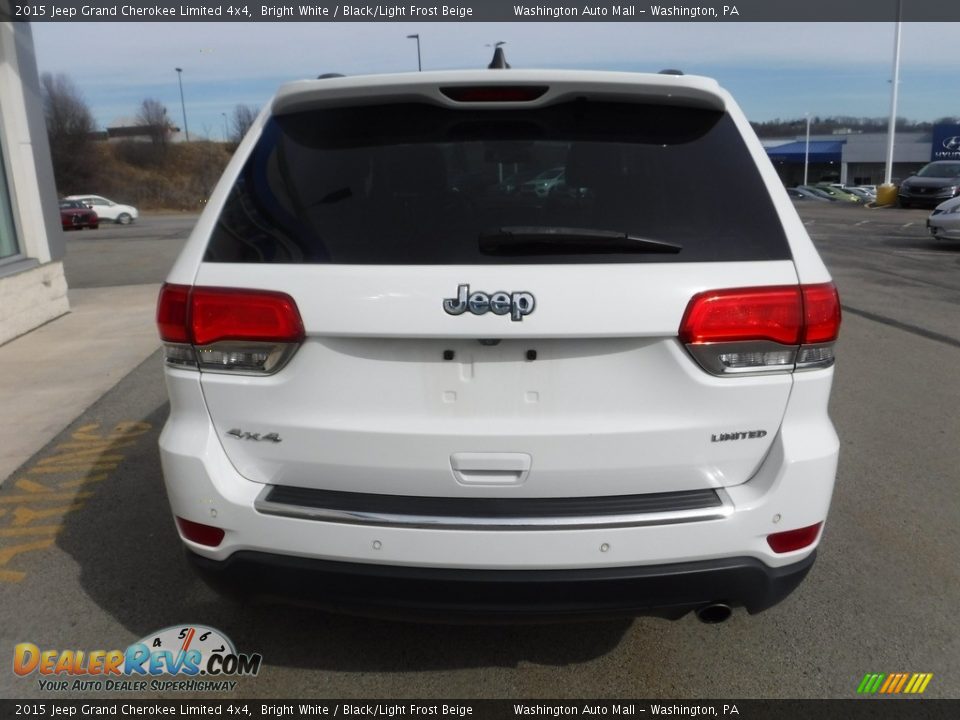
(24, 515)
(89, 480)
(54, 486)
(105, 444)
(30, 486)
(8, 553)
(80, 457)
(25, 531)
(72, 468)
(14, 499)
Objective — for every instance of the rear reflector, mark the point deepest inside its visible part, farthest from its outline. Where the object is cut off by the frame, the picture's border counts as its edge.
(790, 540)
(495, 93)
(763, 329)
(199, 533)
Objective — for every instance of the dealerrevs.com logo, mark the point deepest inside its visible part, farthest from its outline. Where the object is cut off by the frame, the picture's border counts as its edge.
(199, 657)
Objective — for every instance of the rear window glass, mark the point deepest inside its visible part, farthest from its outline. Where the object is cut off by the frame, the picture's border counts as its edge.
(415, 183)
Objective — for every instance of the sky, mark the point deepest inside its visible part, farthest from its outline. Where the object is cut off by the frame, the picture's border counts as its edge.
(774, 70)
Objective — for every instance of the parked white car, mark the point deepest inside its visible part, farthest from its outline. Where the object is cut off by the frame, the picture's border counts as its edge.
(944, 221)
(389, 391)
(108, 209)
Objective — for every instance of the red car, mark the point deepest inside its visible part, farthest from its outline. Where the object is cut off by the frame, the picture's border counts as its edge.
(74, 215)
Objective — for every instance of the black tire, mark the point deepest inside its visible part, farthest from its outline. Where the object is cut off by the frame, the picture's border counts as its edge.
(124, 219)
(903, 203)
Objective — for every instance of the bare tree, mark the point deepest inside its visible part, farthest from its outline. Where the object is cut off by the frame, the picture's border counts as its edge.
(241, 120)
(69, 127)
(152, 116)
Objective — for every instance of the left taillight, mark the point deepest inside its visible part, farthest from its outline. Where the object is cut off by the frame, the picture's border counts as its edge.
(251, 332)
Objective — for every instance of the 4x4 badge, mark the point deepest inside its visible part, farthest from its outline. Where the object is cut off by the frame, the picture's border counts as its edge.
(517, 304)
(244, 435)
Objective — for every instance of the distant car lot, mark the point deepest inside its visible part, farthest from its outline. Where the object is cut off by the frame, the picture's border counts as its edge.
(881, 598)
(107, 209)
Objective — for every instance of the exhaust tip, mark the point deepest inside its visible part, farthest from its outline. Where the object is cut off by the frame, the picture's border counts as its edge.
(714, 613)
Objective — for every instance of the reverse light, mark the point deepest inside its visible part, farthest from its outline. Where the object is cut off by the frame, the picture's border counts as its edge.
(252, 332)
(790, 540)
(200, 533)
(778, 328)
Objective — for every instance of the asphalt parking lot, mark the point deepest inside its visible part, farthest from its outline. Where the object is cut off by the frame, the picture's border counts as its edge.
(89, 557)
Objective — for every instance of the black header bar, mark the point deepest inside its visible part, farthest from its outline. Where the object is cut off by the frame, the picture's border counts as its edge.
(629, 709)
(482, 11)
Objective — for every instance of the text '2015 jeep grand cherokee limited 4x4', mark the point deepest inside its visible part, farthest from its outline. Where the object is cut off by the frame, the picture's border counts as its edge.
(398, 383)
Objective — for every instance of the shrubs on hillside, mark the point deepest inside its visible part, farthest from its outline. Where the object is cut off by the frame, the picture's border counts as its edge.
(177, 176)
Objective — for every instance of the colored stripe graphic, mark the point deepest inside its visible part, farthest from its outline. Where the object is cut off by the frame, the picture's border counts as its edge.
(871, 683)
(894, 683)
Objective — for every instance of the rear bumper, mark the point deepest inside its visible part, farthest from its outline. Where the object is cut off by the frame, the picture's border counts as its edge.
(442, 593)
(661, 568)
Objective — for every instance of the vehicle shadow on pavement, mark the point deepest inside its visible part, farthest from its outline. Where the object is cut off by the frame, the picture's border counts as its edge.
(146, 583)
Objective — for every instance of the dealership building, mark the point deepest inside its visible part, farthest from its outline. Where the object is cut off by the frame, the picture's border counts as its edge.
(860, 158)
(33, 289)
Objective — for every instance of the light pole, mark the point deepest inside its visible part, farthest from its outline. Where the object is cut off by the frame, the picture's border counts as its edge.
(183, 105)
(416, 36)
(806, 152)
(892, 126)
(225, 138)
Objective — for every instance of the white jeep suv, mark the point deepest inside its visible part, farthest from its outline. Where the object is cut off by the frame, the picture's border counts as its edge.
(398, 385)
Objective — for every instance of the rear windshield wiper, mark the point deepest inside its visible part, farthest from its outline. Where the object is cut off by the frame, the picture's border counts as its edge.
(533, 239)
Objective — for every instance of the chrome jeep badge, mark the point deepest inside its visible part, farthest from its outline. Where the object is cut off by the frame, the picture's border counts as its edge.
(517, 304)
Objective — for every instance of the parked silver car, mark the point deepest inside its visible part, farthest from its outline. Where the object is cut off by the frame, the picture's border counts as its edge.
(944, 221)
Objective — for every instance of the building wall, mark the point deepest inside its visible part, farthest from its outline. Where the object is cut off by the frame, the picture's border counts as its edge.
(33, 289)
(873, 173)
(863, 158)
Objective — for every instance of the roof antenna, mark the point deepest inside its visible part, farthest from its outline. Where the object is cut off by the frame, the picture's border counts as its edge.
(499, 61)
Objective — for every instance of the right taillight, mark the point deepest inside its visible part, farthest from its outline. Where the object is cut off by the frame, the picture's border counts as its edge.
(252, 332)
(780, 328)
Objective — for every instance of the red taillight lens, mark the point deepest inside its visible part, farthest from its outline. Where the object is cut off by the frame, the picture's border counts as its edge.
(172, 313)
(249, 315)
(790, 540)
(821, 313)
(740, 314)
(252, 332)
(199, 533)
(495, 93)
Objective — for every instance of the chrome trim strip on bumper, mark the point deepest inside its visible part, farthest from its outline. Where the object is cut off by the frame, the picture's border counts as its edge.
(717, 508)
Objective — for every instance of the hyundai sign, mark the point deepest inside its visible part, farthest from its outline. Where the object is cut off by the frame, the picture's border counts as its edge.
(946, 143)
